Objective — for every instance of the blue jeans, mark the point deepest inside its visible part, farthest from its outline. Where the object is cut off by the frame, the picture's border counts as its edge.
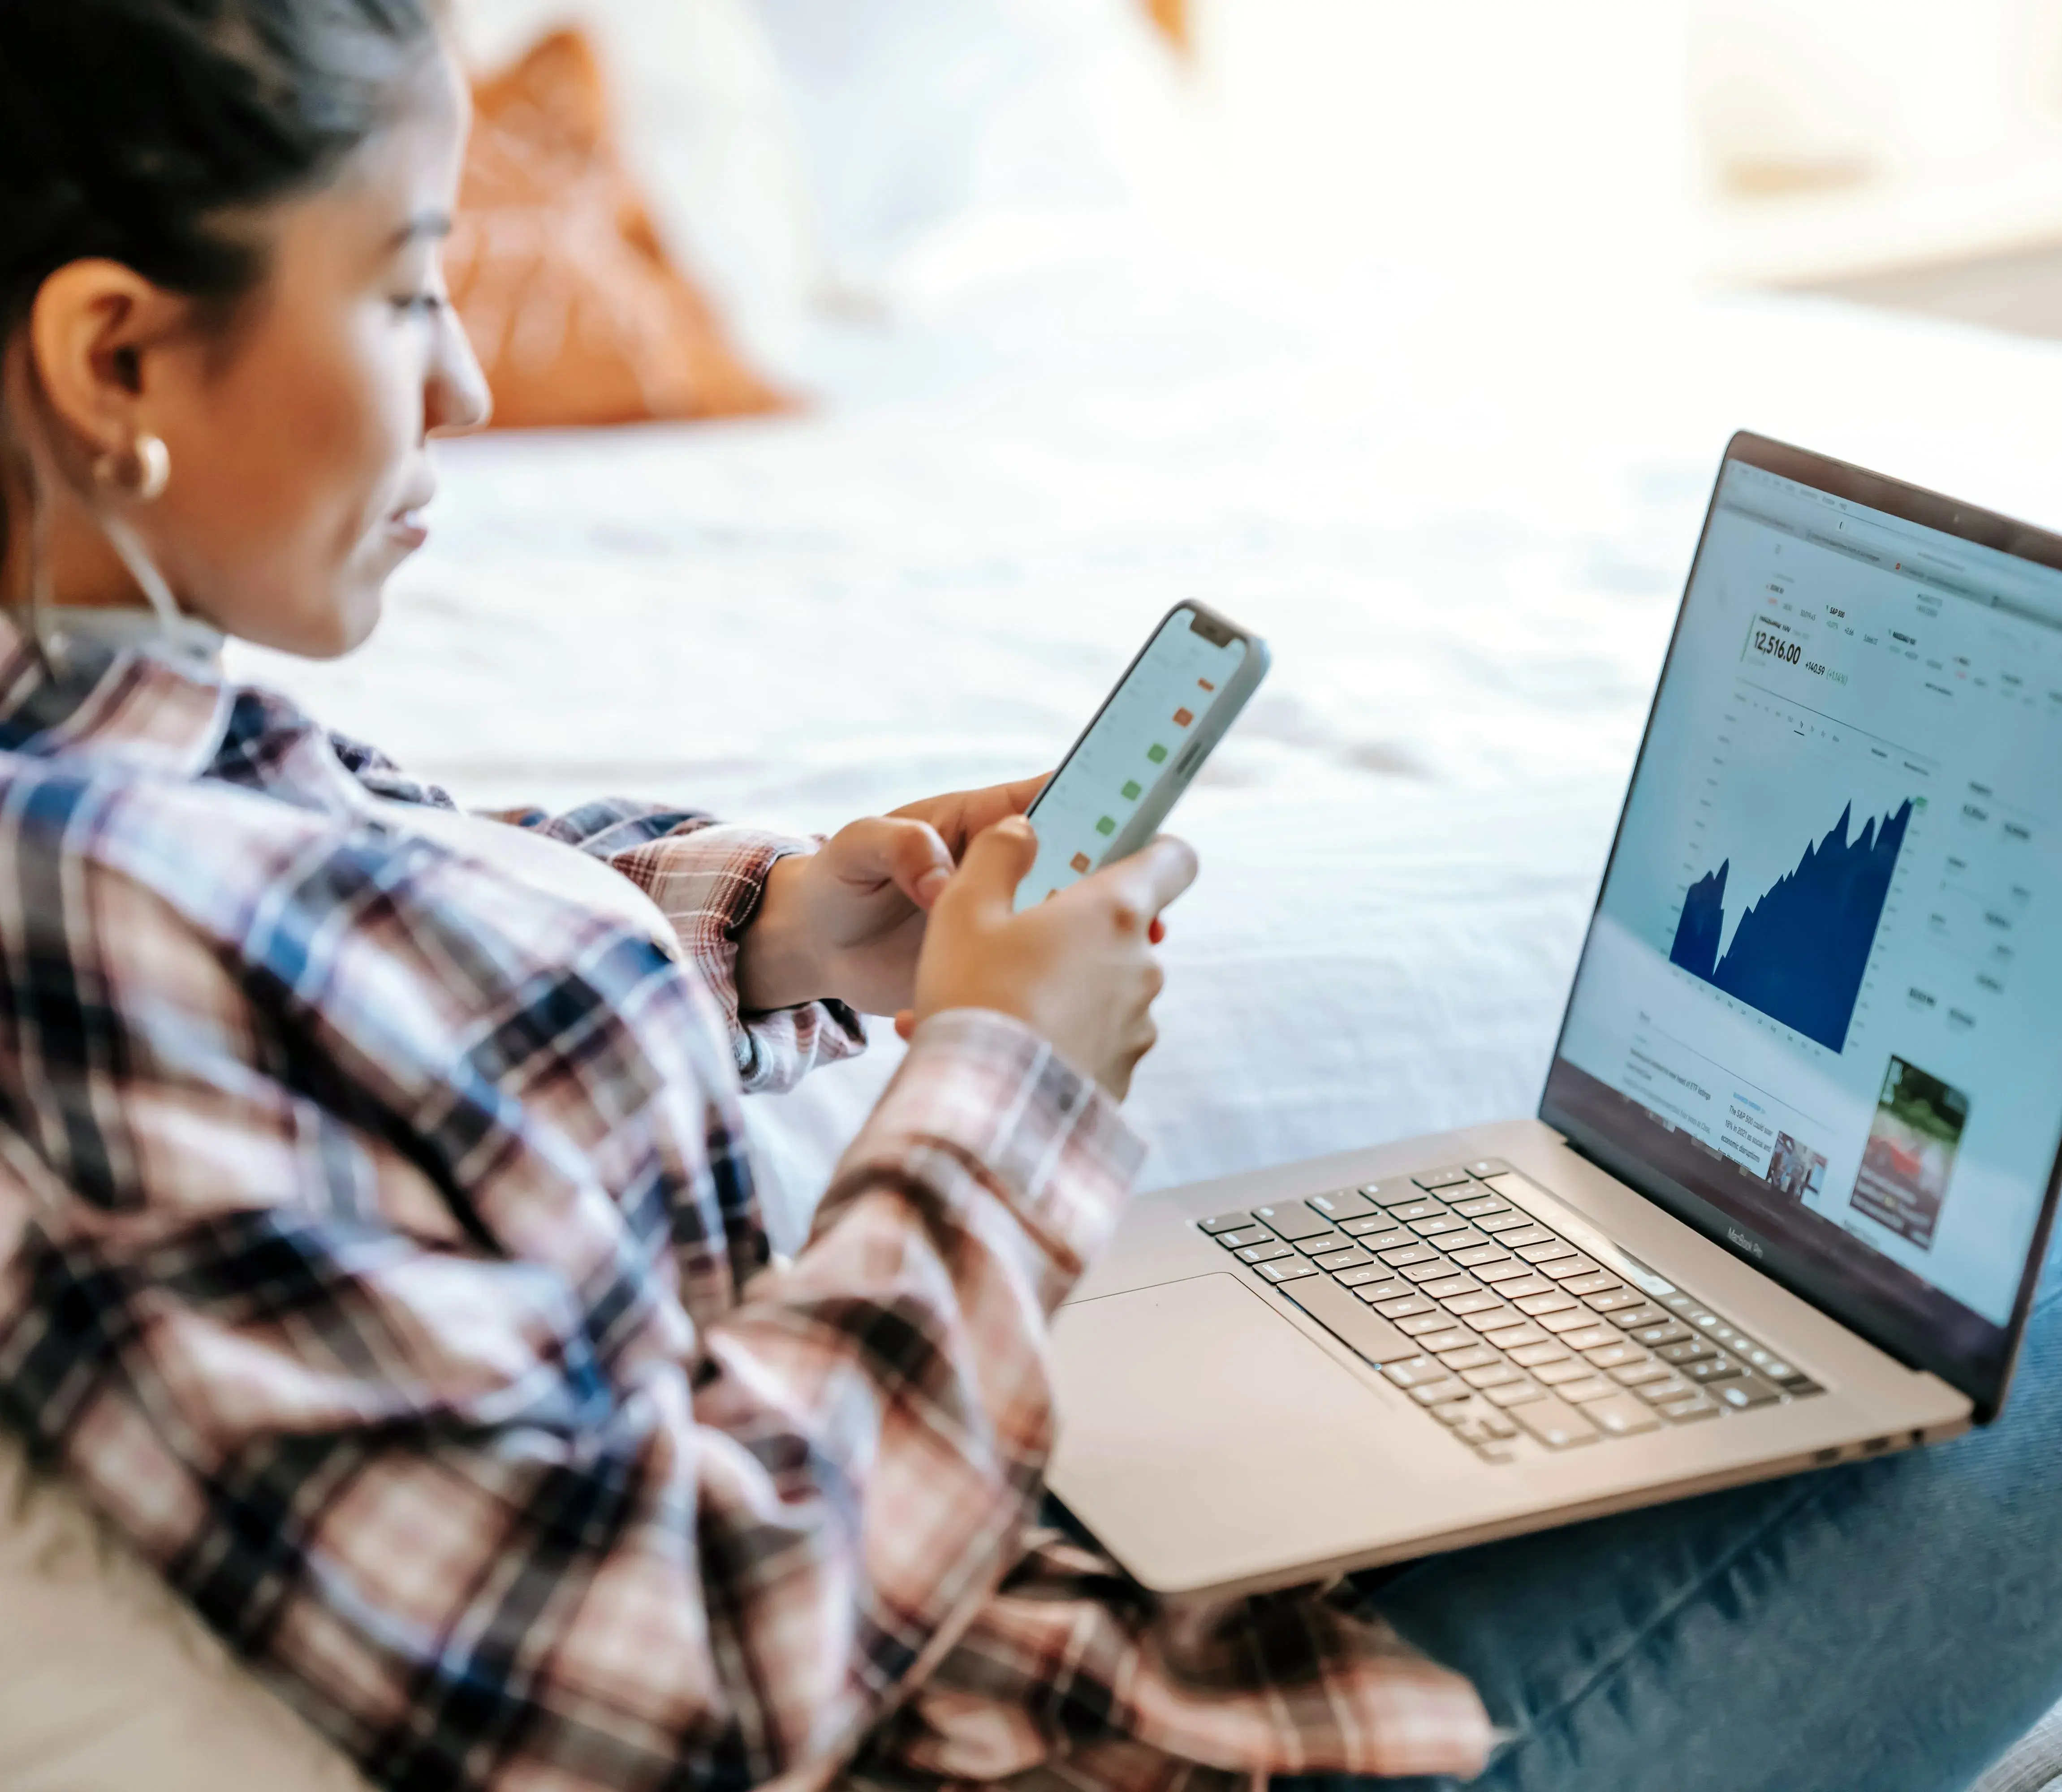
(1887, 1626)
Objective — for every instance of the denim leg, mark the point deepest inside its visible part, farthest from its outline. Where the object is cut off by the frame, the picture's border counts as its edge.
(1885, 1626)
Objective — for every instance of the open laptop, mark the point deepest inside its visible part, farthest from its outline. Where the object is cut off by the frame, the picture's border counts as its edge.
(1789, 1189)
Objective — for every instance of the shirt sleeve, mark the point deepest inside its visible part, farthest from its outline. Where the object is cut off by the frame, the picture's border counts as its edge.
(708, 879)
(422, 1427)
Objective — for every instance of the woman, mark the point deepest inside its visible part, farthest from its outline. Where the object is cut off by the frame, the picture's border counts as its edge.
(382, 1253)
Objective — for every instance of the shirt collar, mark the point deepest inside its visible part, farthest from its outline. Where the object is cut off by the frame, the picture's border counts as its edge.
(113, 688)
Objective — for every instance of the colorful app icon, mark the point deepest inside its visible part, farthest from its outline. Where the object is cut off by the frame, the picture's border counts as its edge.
(1133, 791)
(1184, 717)
(1206, 684)
(1156, 753)
(1106, 826)
(1079, 861)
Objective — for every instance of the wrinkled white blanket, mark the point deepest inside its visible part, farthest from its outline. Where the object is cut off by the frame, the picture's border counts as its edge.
(1465, 537)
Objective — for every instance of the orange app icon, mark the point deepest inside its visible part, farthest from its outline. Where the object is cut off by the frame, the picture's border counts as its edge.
(1206, 684)
(1184, 717)
(1079, 861)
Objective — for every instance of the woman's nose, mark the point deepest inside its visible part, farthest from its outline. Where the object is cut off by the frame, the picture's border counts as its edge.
(457, 399)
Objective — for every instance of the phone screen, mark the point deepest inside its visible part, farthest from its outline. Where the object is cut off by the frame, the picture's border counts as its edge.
(1132, 746)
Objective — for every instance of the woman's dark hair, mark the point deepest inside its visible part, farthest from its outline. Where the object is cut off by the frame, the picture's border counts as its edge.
(137, 130)
(147, 132)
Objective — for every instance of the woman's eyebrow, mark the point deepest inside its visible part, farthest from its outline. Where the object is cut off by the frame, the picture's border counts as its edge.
(423, 224)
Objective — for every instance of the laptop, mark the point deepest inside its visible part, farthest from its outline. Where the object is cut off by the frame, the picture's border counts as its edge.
(1788, 1192)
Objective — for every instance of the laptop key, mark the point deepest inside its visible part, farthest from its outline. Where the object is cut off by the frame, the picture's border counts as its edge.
(1445, 1288)
(1569, 1268)
(1354, 1324)
(1539, 1306)
(1424, 1207)
(1517, 1238)
(1473, 1354)
(1711, 1369)
(1362, 1275)
(1226, 1222)
(1533, 1283)
(1747, 1391)
(1594, 1281)
(1438, 1393)
(1487, 1426)
(1512, 1333)
(1494, 1319)
(1631, 1375)
(1590, 1337)
(1443, 1177)
(1262, 1253)
(1556, 1424)
(1560, 1322)
(1391, 1189)
(1621, 1416)
(1511, 1268)
(1438, 1269)
(1425, 1324)
(1492, 1375)
(1351, 1258)
(1245, 1235)
(1404, 1307)
(1292, 1219)
(1437, 1226)
(1468, 1256)
(1479, 1300)
(1669, 1331)
(1317, 1243)
(1634, 1319)
(1670, 1388)
(1404, 1255)
(1542, 1252)
(1476, 1207)
(1343, 1203)
(1376, 1233)
(1580, 1393)
(1531, 1356)
(1508, 1220)
(1554, 1374)
(1614, 1300)
(1389, 1288)
(1441, 1342)
(1688, 1350)
(1514, 1393)
(1700, 1405)
(1407, 1371)
(1290, 1269)
(1616, 1356)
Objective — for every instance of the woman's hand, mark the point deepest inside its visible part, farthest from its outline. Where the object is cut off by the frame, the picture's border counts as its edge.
(1077, 969)
(848, 921)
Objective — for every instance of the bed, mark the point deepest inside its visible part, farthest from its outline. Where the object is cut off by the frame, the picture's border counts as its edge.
(929, 579)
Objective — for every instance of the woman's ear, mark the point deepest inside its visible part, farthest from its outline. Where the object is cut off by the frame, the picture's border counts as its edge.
(96, 329)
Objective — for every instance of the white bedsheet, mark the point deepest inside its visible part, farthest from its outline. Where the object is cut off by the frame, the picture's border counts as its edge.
(1463, 520)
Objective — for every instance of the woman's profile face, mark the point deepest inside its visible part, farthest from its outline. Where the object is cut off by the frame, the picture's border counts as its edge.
(299, 436)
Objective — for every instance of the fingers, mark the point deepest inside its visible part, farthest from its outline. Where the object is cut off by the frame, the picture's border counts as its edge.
(909, 853)
(1151, 879)
(995, 864)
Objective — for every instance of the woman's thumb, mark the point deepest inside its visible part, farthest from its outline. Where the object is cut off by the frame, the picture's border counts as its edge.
(995, 862)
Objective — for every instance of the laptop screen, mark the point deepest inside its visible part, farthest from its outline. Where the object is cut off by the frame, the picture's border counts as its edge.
(1820, 1009)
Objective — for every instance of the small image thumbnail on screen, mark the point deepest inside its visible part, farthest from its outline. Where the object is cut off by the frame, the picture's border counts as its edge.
(1911, 1151)
(1796, 1171)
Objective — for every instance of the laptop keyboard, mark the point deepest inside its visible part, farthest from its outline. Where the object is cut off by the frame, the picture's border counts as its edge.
(1495, 1324)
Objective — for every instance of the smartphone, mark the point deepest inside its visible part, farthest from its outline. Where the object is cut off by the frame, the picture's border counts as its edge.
(1148, 739)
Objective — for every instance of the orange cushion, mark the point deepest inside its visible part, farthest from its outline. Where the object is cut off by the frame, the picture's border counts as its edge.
(577, 312)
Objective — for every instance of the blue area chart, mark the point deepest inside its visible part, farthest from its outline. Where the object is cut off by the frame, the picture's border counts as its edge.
(1800, 951)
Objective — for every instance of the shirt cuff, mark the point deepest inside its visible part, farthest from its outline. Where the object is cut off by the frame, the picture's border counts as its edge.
(981, 1098)
(709, 883)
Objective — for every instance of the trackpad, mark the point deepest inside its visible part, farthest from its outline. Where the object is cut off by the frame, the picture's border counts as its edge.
(1192, 1415)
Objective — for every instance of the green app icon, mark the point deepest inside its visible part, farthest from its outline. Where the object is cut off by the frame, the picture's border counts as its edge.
(1105, 826)
(1134, 791)
(1158, 754)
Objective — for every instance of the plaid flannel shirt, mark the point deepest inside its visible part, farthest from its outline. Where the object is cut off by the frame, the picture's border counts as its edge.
(381, 1257)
